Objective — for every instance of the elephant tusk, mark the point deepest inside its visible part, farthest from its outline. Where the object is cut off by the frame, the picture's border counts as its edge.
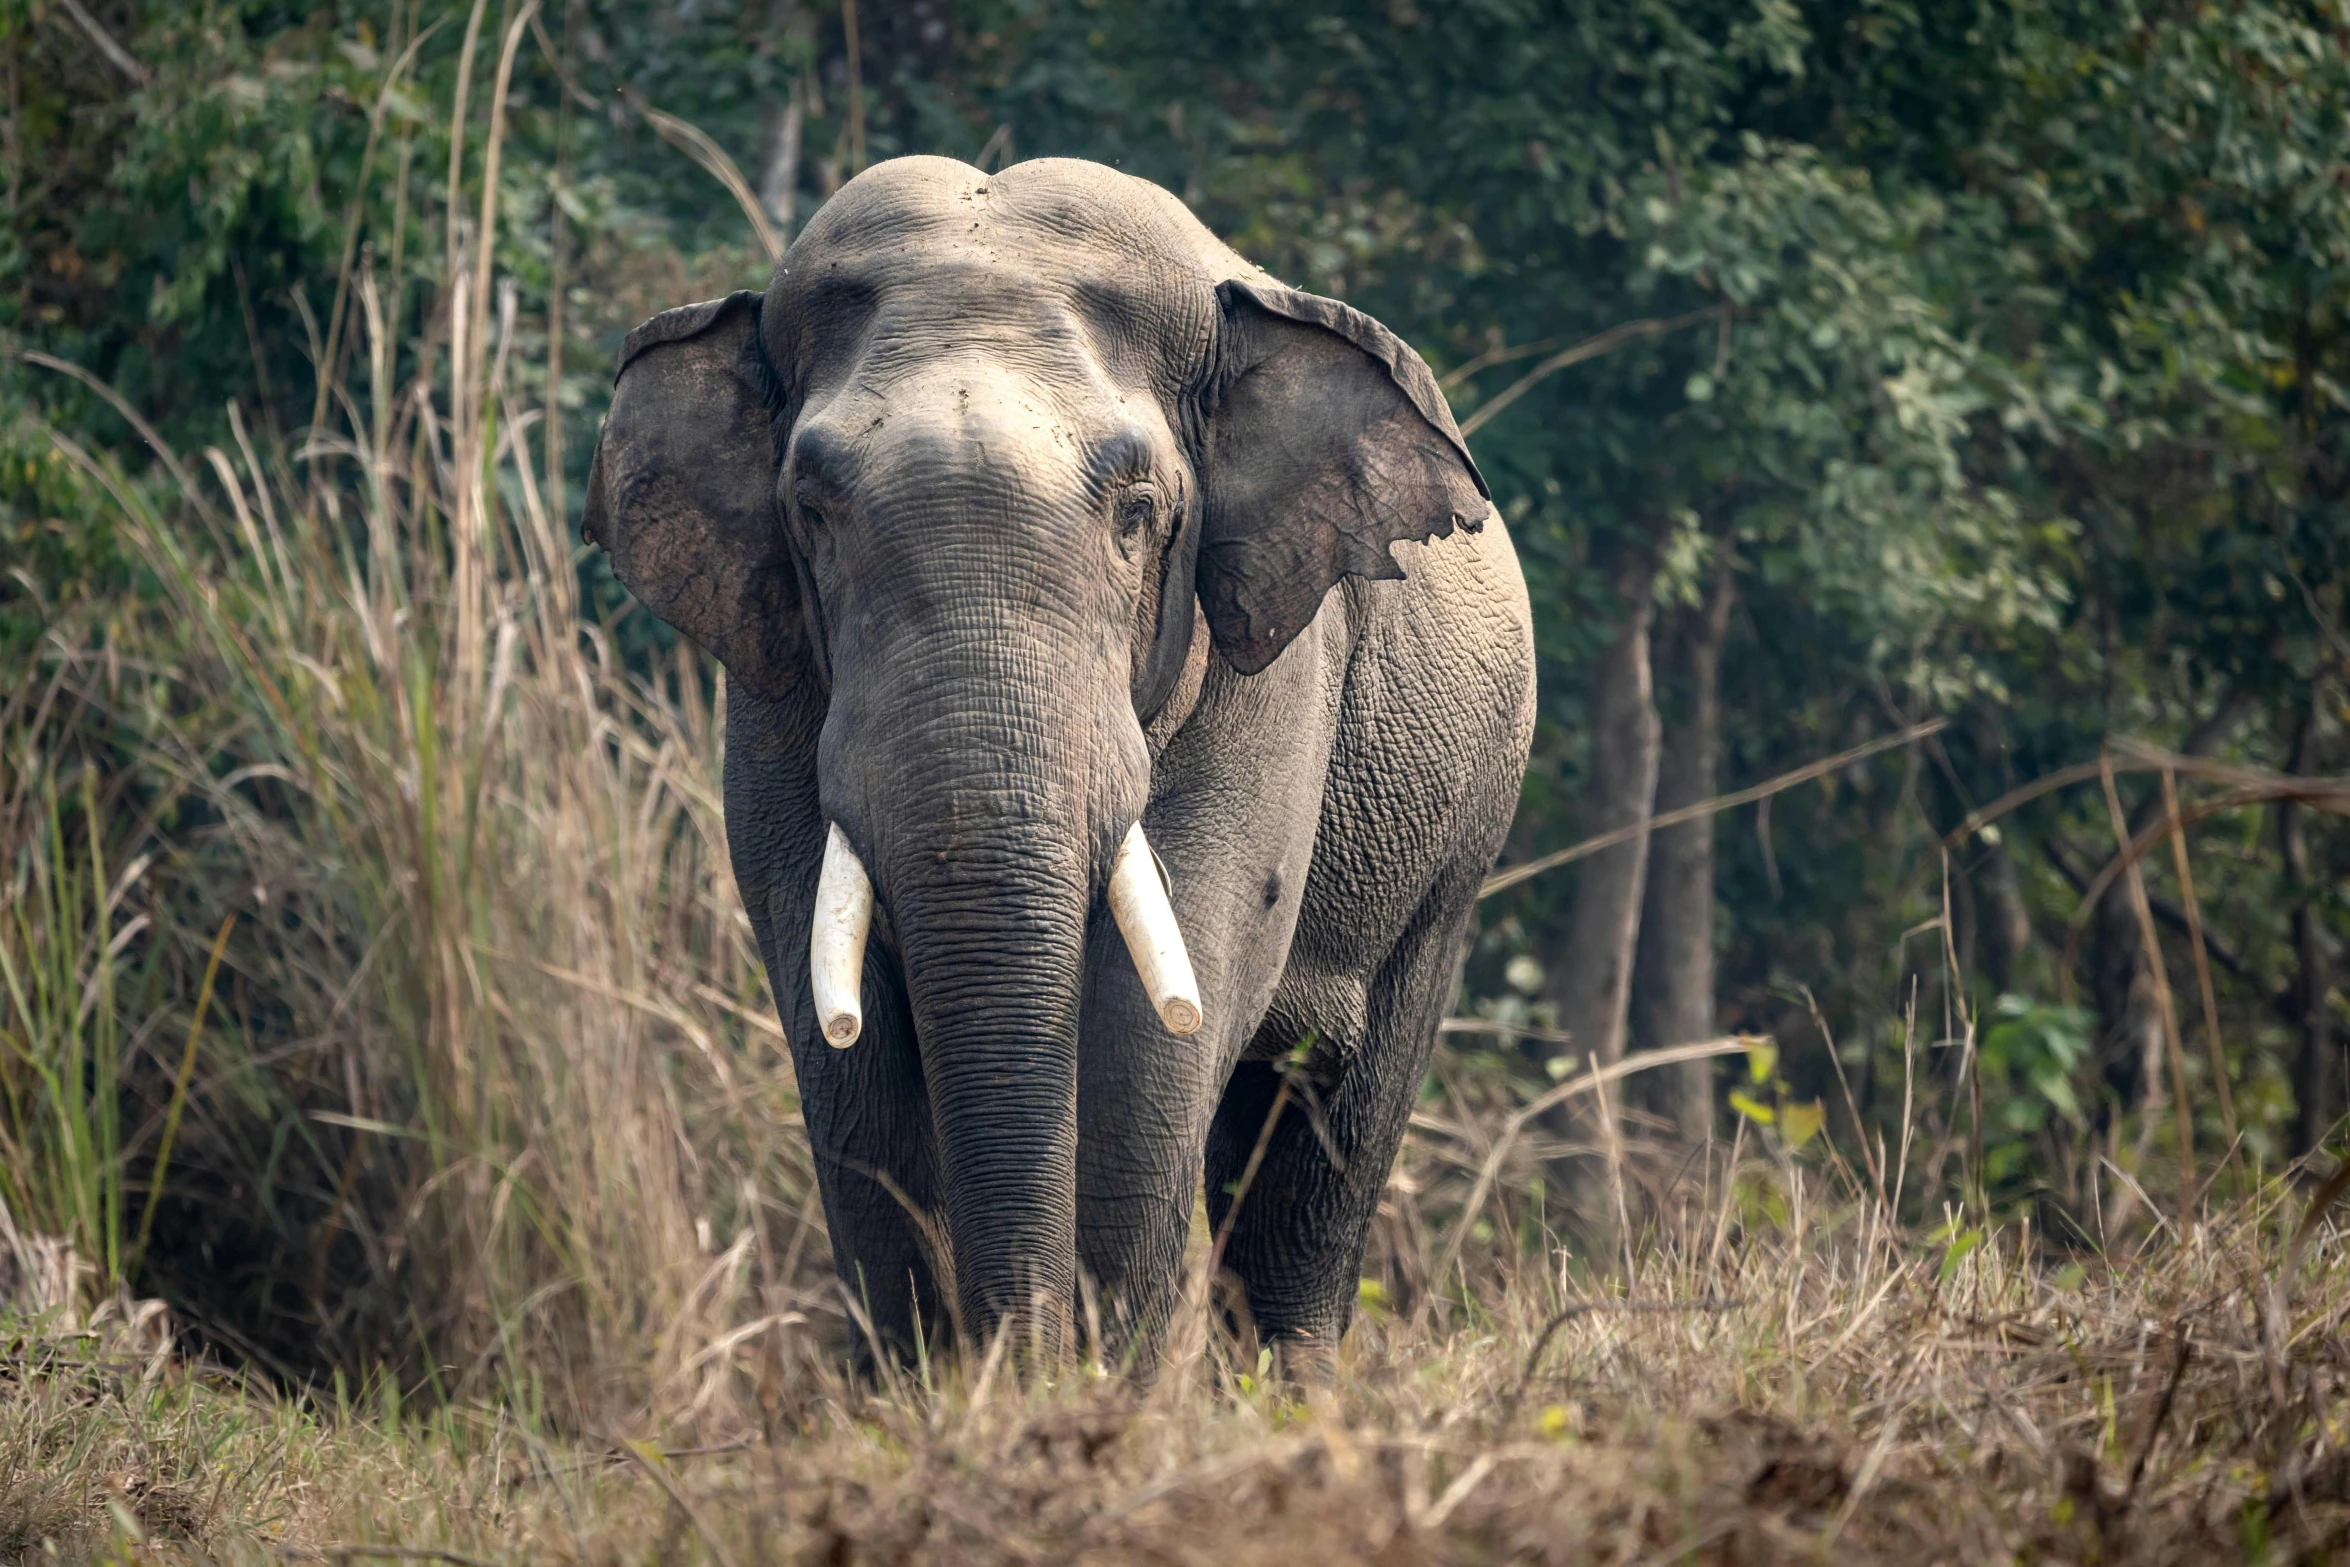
(836, 941)
(1138, 901)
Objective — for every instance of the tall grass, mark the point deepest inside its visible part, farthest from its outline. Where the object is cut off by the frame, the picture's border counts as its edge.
(491, 1090)
(61, 1156)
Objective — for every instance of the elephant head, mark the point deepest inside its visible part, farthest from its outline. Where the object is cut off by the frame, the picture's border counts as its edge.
(956, 480)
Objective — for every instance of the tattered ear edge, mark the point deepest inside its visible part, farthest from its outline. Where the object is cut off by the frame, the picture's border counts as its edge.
(1404, 366)
(1262, 583)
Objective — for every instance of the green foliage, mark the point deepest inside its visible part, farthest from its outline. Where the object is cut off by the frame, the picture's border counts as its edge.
(2032, 1058)
(59, 538)
(2029, 1058)
(1794, 1121)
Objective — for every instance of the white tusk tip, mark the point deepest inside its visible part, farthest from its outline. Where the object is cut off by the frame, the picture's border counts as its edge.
(836, 941)
(1138, 900)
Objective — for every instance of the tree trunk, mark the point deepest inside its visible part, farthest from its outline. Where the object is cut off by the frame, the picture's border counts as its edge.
(1593, 986)
(1673, 974)
(779, 174)
(2317, 1064)
(2129, 1048)
(2005, 924)
(1592, 977)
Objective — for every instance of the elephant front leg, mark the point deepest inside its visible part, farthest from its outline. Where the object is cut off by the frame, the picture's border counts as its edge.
(1143, 1098)
(869, 1128)
(866, 1108)
(1233, 818)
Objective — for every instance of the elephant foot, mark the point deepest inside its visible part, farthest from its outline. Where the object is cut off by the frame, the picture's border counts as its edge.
(1306, 1360)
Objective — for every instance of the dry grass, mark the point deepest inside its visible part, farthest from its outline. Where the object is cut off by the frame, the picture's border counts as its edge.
(490, 1026)
(490, 1093)
(1817, 1387)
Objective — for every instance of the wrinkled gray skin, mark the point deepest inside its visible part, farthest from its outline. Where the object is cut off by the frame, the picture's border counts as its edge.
(1014, 508)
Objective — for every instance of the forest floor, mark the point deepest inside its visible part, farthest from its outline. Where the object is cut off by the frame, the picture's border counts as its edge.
(1837, 1391)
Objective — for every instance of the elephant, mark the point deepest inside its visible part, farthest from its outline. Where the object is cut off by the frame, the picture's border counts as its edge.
(1041, 536)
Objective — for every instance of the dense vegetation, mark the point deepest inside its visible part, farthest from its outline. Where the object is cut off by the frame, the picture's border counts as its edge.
(1842, 367)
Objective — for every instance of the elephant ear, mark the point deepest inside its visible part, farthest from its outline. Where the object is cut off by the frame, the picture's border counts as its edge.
(1326, 441)
(682, 490)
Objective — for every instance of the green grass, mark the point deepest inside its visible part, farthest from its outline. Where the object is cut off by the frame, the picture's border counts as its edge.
(61, 1159)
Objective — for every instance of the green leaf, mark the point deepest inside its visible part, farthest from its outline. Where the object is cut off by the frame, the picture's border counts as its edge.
(1960, 1250)
(1751, 1108)
(1800, 1123)
(2057, 1089)
(1762, 1060)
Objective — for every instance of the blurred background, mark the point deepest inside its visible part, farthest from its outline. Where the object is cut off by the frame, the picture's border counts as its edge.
(1965, 383)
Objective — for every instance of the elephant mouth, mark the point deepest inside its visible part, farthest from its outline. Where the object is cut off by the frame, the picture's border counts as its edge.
(1138, 901)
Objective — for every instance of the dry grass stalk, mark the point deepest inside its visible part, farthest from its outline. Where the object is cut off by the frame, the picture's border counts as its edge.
(2167, 1005)
(2194, 905)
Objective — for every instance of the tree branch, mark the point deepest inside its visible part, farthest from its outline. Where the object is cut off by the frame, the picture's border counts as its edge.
(1608, 341)
(2066, 859)
(1720, 802)
(116, 55)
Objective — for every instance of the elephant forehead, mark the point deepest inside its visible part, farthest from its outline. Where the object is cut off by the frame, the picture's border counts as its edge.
(1055, 247)
(1076, 337)
(971, 421)
(1051, 206)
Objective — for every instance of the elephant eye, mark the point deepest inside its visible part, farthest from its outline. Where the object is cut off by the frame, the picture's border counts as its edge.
(1136, 507)
(811, 515)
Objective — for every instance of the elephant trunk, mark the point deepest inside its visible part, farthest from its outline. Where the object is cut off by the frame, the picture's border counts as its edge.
(988, 815)
(990, 928)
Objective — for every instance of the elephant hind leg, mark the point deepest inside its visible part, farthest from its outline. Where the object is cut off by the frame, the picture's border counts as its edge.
(1304, 1217)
